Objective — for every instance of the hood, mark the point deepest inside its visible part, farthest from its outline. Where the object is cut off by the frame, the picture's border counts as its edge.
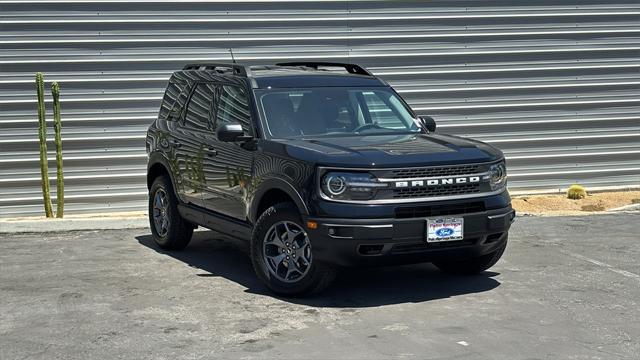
(388, 150)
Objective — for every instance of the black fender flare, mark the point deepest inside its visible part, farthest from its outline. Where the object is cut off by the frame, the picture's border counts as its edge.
(279, 184)
(158, 157)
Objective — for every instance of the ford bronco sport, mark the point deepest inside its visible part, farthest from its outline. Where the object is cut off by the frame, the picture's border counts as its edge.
(319, 166)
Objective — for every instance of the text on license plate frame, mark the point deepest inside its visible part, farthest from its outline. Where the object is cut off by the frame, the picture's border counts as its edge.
(445, 229)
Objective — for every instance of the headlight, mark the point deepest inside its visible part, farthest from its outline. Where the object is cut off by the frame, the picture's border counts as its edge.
(498, 176)
(350, 186)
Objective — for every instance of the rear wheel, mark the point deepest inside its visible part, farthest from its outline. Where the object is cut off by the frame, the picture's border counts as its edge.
(170, 231)
(471, 266)
(282, 256)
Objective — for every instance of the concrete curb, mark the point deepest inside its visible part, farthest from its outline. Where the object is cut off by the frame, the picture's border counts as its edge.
(72, 224)
(579, 213)
(632, 207)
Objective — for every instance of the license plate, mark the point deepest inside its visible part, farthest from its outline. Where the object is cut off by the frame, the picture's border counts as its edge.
(445, 229)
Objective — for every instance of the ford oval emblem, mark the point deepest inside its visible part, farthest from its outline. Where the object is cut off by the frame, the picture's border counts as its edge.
(444, 232)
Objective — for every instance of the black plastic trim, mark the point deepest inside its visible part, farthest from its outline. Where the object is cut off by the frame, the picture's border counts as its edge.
(214, 221)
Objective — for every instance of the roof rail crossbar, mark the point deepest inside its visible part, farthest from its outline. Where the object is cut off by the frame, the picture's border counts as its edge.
(350, 68)
(235, 68)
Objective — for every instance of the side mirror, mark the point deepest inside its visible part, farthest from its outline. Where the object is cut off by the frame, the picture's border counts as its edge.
(428, 123)
(230, 133)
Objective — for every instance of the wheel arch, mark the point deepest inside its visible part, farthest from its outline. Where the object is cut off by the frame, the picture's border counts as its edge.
(274, 191)
(158, 165)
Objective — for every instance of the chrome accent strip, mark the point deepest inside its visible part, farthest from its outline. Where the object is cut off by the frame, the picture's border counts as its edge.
(491, 217)
(511, 213)
(371, 185)
(340, 237)
(358, 225)
(414, 200)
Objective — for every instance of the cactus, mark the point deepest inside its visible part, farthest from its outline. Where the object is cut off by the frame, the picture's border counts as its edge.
(576, 192)
(42, 132)
(57, 127)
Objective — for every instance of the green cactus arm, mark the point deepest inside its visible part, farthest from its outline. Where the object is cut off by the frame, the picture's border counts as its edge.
(42, 133)
(57, 126)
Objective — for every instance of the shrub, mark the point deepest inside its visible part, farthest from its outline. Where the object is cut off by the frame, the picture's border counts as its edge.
(576, 192)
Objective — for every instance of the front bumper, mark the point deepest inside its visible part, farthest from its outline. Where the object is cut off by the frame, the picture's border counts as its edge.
(362, 242)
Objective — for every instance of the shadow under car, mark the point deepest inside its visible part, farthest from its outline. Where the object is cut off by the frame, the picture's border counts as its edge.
(220, 256)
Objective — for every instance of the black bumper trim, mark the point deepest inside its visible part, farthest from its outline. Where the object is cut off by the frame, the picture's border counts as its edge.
(355, 242)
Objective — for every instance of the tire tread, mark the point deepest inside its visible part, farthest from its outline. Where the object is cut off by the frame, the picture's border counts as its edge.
(180, 231)
(318, 278)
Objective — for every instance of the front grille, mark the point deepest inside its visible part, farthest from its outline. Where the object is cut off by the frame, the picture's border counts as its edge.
(434, 171)
(407, 212)
(433, 191)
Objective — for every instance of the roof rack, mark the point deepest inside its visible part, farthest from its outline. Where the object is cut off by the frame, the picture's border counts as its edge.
(350, 68)
(235, 68)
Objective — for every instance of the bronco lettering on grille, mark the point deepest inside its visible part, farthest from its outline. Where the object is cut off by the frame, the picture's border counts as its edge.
(437, 182)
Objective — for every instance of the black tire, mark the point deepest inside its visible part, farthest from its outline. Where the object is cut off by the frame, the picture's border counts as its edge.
(317, 277)
(471, 266)
(177, 234)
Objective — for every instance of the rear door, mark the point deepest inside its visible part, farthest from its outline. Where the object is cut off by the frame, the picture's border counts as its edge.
(190, 143)
(229, 179)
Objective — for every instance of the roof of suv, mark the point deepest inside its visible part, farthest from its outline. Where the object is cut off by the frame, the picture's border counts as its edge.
(284, 75)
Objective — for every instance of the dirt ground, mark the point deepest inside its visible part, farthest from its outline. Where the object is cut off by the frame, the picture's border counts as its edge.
(558, 204)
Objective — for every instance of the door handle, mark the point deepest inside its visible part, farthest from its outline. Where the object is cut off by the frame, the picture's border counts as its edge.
(211, 151)
(175, 143)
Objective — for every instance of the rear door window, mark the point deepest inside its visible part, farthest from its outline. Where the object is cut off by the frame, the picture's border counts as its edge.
(199, 111)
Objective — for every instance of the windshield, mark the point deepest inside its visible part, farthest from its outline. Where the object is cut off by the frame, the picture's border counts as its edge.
(294, 113)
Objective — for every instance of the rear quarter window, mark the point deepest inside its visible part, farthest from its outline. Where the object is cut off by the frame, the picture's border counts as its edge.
(173, 101)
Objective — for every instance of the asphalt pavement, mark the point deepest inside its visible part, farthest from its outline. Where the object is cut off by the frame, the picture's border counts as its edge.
(566, 288)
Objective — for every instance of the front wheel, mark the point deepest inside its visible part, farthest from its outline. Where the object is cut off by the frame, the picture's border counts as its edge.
(471, 266)
(282, 256)
(170, 231)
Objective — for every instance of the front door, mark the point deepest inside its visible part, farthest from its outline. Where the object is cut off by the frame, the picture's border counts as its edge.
(229, 179)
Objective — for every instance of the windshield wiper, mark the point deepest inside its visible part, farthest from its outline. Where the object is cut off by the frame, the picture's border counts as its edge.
(369, 126)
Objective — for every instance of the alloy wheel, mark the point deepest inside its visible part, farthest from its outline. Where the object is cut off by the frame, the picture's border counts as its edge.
(160, 212)
(287, 251)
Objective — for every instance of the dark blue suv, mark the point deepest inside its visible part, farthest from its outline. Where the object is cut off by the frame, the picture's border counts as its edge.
(320, 166)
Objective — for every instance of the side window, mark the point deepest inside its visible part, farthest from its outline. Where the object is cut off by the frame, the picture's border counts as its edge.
(233, 107)
(171, 95)
(199, 108)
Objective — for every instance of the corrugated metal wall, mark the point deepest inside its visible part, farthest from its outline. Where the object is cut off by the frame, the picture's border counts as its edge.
(555, 84)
